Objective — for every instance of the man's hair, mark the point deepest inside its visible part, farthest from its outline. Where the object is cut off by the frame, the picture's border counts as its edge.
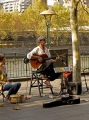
(41, 38)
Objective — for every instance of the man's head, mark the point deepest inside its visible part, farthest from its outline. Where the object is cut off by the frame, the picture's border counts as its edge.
(41, 38)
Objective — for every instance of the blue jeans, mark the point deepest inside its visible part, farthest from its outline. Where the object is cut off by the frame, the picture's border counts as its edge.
(12, 88)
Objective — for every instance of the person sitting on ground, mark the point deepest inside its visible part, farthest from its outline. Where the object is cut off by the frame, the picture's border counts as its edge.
(12, 88)
(46, 68)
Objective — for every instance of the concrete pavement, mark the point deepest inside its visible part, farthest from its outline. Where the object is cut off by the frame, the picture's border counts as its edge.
(32, 109)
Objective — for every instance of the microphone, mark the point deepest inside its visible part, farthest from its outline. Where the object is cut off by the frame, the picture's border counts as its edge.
(63, 61)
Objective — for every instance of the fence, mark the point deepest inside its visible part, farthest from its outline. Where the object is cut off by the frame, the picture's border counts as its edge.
(84, 62)
(17, 68)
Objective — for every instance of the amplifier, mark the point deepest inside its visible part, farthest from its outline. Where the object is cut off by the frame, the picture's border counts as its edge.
(75, 88)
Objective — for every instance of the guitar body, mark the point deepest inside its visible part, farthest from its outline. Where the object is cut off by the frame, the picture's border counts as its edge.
(35, 63)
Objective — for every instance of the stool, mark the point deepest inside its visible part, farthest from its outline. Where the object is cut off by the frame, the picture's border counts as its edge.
(36, 77)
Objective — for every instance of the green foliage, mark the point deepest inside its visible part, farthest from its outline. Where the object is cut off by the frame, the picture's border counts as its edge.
(30, 22)
(61, 19)
(83, 17)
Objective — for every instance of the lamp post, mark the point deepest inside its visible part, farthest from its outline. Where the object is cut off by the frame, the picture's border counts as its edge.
(48, 15)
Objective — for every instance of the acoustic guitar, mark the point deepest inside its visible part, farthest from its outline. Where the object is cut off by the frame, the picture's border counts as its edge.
(35, 62)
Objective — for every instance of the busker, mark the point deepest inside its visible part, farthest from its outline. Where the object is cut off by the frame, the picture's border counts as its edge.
(45, 67)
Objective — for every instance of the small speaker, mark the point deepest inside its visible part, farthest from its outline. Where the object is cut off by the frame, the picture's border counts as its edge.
(75, 88)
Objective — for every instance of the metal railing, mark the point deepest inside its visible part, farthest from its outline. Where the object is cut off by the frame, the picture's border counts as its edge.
(84, 62)
(17, 68)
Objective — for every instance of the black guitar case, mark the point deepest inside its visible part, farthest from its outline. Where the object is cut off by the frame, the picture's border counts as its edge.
(69, 100)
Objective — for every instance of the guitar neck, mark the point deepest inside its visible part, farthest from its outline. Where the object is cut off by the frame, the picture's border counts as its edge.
(52, 57)
(49, 58)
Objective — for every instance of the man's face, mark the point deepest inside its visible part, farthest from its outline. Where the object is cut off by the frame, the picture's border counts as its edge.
(43, 41)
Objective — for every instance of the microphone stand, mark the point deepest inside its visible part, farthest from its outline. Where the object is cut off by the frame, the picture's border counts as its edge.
(60, 57)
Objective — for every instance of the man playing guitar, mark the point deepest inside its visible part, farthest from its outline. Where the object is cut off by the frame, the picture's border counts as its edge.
(37, 59)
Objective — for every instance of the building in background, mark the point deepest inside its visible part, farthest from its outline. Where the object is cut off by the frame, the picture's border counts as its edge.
(21, 5)
(12, 5)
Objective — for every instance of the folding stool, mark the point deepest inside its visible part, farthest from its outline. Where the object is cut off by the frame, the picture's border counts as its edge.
(37, 81)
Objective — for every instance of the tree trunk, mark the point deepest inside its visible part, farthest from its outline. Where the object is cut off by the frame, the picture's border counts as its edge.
(75, 41)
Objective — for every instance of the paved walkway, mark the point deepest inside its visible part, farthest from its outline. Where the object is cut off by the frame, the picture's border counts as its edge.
(32, 109)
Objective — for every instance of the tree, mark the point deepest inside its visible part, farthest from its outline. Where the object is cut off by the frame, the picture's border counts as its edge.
(83, 17)
(4, 24)
(59, 21)
(73, 6)
(75, 41)
(32, 19)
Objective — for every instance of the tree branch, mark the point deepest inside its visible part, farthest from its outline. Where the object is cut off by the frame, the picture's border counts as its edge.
(84, 6)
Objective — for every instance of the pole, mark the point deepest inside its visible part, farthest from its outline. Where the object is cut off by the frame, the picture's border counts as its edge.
(48, 34)
(47, 15)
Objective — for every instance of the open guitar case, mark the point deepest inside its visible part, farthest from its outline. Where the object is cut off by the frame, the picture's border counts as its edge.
(64, 100)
